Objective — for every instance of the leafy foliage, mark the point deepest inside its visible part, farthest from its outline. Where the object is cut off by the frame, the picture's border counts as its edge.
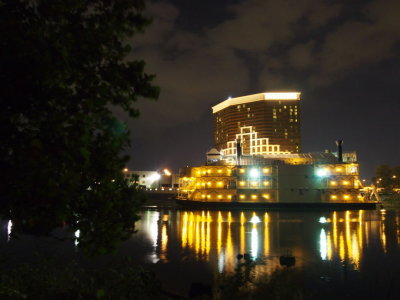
(63, 67)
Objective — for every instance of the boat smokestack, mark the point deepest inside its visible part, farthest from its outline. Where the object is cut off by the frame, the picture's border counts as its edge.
(238, 151)
(339, 144)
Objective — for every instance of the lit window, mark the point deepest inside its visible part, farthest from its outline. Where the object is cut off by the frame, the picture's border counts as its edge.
(208, 196)
(254, 183)
(219, 196)
(338, 169)
(266, 196)
(254, 197)
(333, 197)
(346, 197)
(220, 183)
(266, 170)
(208, 183)
(242, 196)
(242, 183)
(333, 183)
(219, 171)
(345, 182)
(266, 183)
(242, 170)
(203, 196)
(229, 196)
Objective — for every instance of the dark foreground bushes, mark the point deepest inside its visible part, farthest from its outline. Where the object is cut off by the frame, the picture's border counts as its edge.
(49, 280)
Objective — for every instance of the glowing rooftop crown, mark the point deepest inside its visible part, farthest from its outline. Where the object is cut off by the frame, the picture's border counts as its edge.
(256, 97)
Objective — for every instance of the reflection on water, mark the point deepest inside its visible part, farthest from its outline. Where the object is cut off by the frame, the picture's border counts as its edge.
(9, 229)
(195, 246)
(217, 237)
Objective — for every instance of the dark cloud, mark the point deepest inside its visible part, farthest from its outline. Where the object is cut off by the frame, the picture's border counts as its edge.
(310, 45)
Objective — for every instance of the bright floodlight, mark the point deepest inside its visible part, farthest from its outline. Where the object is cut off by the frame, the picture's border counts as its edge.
(155, 177)
(167, 172)
(322, 172)
(254, 173)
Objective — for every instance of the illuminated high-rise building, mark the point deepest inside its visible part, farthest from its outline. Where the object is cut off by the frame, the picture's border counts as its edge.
(265, 123)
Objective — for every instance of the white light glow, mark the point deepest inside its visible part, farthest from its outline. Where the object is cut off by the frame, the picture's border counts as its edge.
(9, 229)
(282, 96)
(254, 173)
(167, 172)
(255, 219)
(152, 231)
(154, 177)
(322, 220)
(77, 234)
(323, 244)
(254, 242)
(322, 172)
(221, 262)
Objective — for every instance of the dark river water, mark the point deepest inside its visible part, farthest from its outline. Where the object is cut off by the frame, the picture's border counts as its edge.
(354, 254)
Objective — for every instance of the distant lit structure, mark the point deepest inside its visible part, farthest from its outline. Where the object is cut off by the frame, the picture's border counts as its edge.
(307, 177)
(264, 123)
(257, 159)
(151, 179)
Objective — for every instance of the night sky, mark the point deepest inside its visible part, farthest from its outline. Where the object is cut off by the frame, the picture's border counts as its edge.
(343, 56)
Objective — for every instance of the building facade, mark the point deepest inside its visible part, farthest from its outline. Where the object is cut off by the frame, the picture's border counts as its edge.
(265, 123)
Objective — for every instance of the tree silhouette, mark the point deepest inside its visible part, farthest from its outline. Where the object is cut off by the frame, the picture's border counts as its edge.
(63, 67)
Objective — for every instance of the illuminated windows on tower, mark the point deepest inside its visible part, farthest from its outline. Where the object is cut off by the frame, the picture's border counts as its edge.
(273, 118)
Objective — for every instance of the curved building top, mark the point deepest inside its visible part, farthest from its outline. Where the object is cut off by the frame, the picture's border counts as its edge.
(256, 97)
